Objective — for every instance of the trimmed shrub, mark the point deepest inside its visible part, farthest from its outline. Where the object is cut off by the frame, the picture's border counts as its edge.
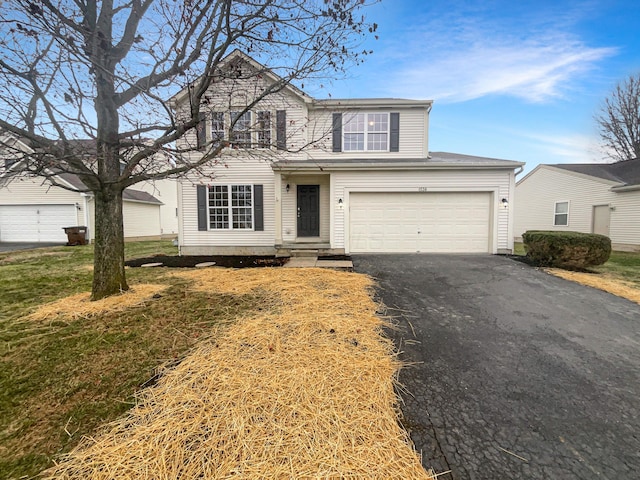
(573, 250)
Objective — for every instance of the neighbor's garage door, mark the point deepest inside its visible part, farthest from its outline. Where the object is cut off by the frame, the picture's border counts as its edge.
(419, 222)
(36, 223)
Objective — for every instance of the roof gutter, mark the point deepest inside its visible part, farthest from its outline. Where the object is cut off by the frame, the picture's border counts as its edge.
(312, 167)
(625, 188)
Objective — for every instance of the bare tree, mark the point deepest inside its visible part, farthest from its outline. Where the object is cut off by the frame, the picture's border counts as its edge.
(619, 120)
(72, 70)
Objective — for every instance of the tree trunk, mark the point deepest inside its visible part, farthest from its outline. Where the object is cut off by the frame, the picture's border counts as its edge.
(108, 262)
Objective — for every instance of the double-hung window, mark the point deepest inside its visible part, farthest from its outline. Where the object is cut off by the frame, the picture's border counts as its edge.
(366, 132)
(241, 129)
(561, 214)
(231, 207)
(217, 126)
(263, 129)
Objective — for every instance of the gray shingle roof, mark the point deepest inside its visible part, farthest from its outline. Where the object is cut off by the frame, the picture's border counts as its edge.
(435, 160)
(626, 172)
(129, 194)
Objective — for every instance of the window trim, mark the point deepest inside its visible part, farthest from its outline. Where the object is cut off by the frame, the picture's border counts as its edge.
(348, 117)
(556, 213)
(230, 208)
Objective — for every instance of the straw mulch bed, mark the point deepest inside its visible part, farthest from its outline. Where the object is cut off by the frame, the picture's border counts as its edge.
(601, 282)
(303, 391)
(80, 305)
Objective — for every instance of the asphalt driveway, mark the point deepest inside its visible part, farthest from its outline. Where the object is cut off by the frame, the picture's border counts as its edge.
(517, 374)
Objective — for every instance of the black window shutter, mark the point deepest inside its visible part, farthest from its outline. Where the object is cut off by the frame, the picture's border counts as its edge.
(281, 129)
(394, 132)
(337, 132)
(202, 207)
(201, 130)
(258, 209)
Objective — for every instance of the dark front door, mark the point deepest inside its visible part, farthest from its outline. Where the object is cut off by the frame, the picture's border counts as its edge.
(308, 210)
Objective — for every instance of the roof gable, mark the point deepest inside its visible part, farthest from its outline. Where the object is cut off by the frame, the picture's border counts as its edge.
(239, 56)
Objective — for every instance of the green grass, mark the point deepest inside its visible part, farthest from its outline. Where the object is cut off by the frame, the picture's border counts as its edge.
(621, 265)
(62, 379)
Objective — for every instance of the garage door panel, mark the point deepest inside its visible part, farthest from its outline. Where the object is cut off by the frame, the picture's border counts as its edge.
(35, 223)
(420, 222)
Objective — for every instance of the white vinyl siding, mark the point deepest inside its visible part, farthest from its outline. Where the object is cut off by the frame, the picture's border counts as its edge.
(167, 192)
(625, 219)
(494, 182)
(537, 194)
(235, 95)
(140, 220)
(413, 136)
(242, 171)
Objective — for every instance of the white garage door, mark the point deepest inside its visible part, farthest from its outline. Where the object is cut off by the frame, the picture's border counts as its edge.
(419, 222)
(36, 223)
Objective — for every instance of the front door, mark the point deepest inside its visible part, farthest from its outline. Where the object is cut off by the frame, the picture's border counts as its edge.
(308, 210)
(601, 217)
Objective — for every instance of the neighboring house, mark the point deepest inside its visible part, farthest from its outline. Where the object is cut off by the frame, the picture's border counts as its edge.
(166, 191)
(588, 197)
(342, 176)
(32, 209)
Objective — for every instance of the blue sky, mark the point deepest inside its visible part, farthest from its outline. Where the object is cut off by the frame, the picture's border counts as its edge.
(512, 79)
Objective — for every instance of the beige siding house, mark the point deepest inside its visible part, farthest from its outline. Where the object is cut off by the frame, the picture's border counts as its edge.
(34, 210)
(338, 175)
(590, 198)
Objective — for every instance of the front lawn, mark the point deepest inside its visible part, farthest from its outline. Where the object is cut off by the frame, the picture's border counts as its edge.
(62, 378)
(620, 275)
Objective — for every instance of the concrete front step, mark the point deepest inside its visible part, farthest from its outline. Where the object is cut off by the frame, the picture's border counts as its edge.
(310, 262)
(304, 253)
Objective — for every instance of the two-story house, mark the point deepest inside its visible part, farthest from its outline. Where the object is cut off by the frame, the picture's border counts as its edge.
(343, 176)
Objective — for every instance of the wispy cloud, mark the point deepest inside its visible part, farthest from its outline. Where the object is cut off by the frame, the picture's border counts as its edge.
(476, 59)
(566, 148)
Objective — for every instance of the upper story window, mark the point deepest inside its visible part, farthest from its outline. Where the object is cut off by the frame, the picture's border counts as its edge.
(250, 129)
(263, 129)
(366, 132)
(561, 214)
(241, 130)
(217, 126)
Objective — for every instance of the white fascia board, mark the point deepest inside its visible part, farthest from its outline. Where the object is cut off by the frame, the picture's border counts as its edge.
(318, 167)
(625, 188)
(355, 103)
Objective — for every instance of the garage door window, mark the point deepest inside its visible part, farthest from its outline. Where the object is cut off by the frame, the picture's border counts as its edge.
(561, 214)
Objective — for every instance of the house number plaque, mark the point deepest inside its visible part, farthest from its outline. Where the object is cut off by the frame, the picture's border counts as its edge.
(423, 189)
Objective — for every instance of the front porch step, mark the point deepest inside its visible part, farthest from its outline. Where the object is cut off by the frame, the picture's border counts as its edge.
(314, 262)
(307, 249)
(304, 253)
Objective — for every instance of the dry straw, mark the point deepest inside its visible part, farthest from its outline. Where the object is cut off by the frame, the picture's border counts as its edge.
(303, 391)
(601, 282)
(80, 305)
